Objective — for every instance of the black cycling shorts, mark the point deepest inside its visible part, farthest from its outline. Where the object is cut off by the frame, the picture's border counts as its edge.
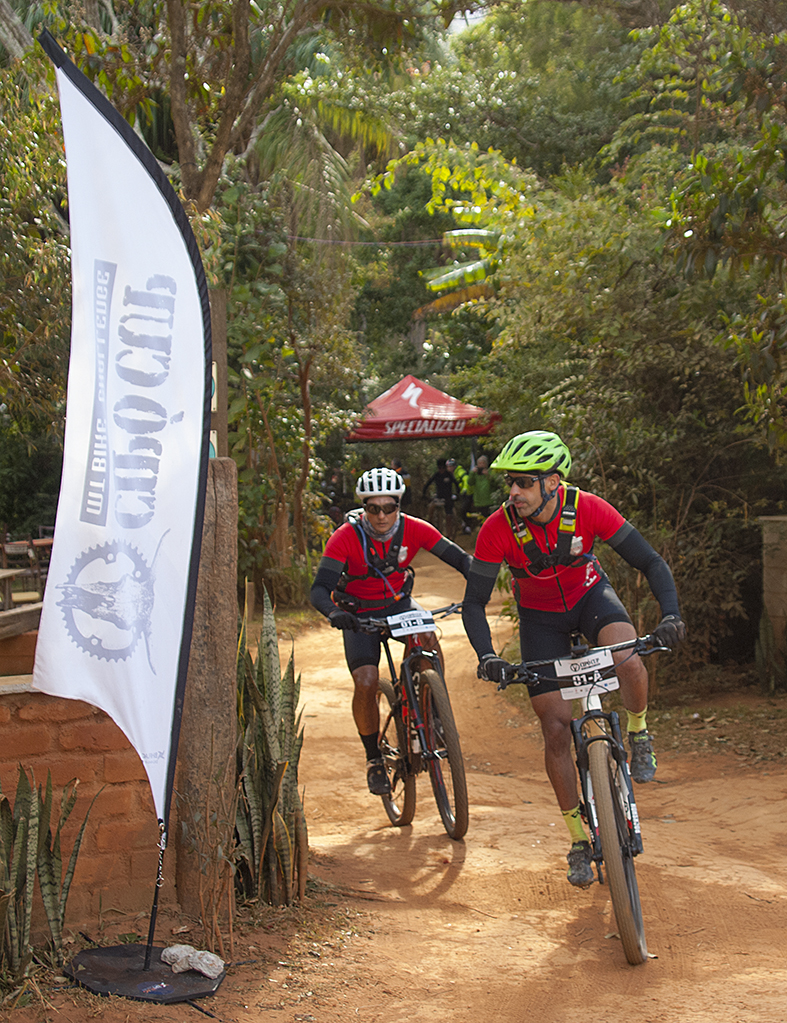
(544, 635)
(362, 648)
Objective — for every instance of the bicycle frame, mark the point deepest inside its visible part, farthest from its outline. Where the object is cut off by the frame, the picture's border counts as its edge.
(418, 732)
(406, 690)
(597, 725)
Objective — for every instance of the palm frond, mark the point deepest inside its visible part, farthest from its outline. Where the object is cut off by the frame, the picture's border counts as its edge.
(454, 300)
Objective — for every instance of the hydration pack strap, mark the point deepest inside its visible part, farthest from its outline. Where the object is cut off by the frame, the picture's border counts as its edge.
(378, 566)
(355, 604)
(538, 560)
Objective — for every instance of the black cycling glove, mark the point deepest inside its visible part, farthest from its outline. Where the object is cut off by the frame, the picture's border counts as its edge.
(493, 668)
(670, 631)
(343, 620)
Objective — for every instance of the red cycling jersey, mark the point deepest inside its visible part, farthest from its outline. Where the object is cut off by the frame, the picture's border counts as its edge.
(344, 546)
(560, 587)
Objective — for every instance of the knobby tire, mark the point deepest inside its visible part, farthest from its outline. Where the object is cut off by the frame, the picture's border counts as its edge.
(616, 850)
(446, 773)
(400, 804)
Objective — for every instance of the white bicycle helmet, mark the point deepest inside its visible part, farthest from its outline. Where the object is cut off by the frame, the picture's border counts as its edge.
(381, 482)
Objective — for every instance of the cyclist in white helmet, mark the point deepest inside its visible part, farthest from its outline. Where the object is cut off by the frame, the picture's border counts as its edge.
(545, 533)
(364, 573)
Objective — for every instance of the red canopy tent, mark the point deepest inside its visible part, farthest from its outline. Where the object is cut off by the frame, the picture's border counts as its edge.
(411, 410)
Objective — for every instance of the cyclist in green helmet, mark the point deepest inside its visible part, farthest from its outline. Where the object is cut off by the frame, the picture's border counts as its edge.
(545, 533)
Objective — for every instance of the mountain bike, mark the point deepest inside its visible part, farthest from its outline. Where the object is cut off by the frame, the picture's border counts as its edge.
(417, 728)
(610, 809)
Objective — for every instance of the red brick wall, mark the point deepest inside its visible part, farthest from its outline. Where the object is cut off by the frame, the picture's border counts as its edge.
(116, 869)
(17, 653)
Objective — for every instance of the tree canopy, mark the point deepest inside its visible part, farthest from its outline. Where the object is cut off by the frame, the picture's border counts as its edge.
(572, 213)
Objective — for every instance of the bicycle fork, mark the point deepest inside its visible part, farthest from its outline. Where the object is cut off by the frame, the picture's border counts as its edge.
(611, 734)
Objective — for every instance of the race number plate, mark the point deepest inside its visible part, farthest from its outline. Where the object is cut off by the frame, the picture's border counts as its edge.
(586, 674)
(407, 623)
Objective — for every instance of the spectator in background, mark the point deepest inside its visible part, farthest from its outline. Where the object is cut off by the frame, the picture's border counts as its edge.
(481, 486)
(446, 491)
(446, 488)
(465, 502)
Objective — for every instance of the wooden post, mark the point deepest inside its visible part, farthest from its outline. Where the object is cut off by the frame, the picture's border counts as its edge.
(209, 728)
(772, 651)
(220, 403)
(251, 598)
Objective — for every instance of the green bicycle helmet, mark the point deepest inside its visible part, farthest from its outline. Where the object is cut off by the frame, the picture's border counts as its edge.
(537, 451)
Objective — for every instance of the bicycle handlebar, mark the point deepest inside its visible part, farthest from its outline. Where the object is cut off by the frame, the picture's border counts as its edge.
(524, 673)
(372, 625)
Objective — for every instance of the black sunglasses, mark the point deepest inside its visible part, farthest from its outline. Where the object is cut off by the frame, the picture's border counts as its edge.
(380, 509)
(523, 482)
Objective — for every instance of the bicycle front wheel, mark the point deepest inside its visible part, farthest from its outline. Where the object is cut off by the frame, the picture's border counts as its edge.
(400, 803)
(447, 768)
(617, 853)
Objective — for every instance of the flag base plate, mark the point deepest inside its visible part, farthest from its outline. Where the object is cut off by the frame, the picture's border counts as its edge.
(118, 970)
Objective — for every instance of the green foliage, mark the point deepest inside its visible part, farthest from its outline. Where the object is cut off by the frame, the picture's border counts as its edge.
(29, 480)
(55, 885)
(603, 340)
(535, 81)
(649, 398)
(27, 845)
(677, 80)
(34, 259)
(208, 76)
(289, 350)
(273, 841)
(393, 288)
(710, 83)
(18, 856)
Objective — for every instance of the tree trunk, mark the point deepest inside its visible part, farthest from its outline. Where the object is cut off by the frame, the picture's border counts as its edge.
(211, 685)
(280, 540)
(13, 34)
(299, 526)
(280, 537)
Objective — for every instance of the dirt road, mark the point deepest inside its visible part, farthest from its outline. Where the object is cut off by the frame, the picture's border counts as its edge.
(489, 927)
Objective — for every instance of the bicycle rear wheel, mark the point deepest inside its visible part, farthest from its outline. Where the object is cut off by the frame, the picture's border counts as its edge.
(447, 770)
(400, 804)
(616, 850)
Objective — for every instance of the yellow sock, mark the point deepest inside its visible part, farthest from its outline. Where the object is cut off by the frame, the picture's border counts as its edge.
(573, 821)
(637, 722)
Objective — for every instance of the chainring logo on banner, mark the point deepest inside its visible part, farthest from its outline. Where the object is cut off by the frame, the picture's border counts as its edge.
(107, 600)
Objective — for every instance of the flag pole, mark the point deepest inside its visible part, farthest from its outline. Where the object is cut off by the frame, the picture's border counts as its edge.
(107, 539)
(159, 882)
